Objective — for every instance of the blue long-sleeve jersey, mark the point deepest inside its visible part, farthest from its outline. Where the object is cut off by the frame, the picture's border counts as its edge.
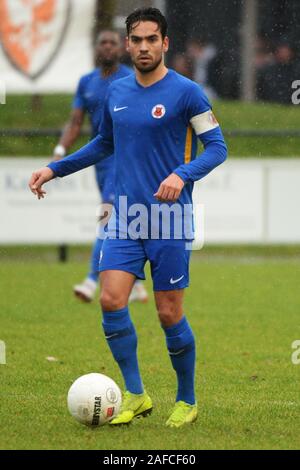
(152, 132)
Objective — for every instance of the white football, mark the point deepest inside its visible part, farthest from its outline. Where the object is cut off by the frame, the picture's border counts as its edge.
(94, 399)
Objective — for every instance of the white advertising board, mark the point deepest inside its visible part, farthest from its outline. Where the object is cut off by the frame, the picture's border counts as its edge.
(66, 215)
(242, 201)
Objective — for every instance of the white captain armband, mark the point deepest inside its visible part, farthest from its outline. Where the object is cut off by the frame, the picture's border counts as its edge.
(204, 122)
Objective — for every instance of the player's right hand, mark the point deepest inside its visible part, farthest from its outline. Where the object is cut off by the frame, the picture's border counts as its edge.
(38, 178)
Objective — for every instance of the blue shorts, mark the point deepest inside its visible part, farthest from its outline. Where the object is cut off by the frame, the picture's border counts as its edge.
(169, 260)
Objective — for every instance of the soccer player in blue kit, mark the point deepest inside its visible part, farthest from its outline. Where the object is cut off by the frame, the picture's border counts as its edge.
(151, 121)
(89, 99)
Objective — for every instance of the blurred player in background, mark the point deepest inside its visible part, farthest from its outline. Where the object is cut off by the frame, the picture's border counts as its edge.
(89, 98)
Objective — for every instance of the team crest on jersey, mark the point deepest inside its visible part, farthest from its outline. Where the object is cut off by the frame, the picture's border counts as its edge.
(32, 32)
(158, 111)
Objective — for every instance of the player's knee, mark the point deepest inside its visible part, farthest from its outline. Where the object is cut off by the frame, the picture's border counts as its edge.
(110, 301)
(168, 314)
(169, 308)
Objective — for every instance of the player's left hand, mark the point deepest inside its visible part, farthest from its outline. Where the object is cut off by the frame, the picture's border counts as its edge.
(170, 189)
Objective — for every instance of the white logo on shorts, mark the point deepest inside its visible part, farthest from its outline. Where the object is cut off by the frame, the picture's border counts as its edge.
(174, 281)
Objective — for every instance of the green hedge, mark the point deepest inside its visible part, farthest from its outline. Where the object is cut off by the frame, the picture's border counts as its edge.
(233, 115)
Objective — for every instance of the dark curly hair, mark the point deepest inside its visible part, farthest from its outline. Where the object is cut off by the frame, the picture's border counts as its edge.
(147, 14)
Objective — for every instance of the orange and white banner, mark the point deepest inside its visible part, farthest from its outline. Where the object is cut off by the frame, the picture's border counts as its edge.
(46, 45)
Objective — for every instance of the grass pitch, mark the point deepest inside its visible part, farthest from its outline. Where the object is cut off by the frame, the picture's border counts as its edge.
(245, 314)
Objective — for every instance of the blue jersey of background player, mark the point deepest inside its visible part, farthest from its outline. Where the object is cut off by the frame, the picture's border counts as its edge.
(151, 121)
(89, 100)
